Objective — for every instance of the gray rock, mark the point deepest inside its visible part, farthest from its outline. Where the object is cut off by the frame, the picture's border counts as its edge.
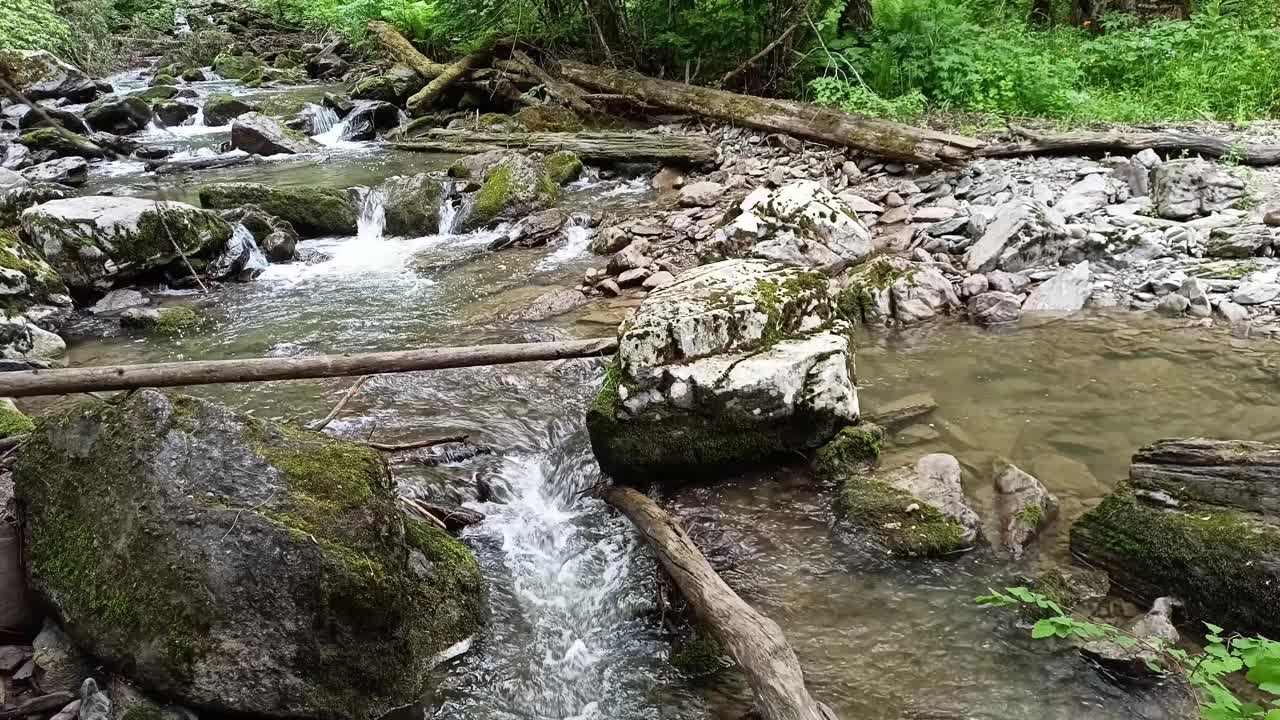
(67, 171)
(12, 657)
(669, 178)
(633, 277)
(514, 185)
(610, 240)
(934, 214)
(1183, 189)
(42, 76)
(412, 204)
(935, 479)
(258, 134)
(1173, 305)
(858, 204)
(740, 348)
(1085, 196)
(118, 115)
(1239, 242)
(94, 704)
(171, 113)
(1270, 214)
(609, 287)
(1231, 312)
(1136, 175)
(141, 318)
(629, 258)
(118, 300)
(800, 224)
(1024, 505)
(1024, 233)
(15, 157)
(995, 308)
(221, 108)
(921, 294)
(59, 664)
(659, 279)
(551, 304)
(276, 237)
(975, 284)
(70, 712)
(369, 117)
(1002, 281)
(21, 339)
(48, 116)
(1255, 293)
(1065, 292)
(1196, 291)
(701, 194)
(255, 535)
(1135, 660)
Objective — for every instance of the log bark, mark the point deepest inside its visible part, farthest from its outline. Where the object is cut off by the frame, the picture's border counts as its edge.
(885, 139)
(404, 51)
(209, 372)
(595, 146)
(421, 101)
(754, 641)
(563, 91)
(1238, 474)
(1171, 142)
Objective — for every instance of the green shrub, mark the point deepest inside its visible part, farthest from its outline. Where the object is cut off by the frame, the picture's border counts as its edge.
(31, 25)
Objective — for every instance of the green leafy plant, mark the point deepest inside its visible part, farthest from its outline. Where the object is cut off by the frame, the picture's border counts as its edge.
(1225, 657)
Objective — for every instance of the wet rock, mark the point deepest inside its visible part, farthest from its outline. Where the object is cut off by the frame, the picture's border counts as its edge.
(633, 277)
(976, 284)
(551, 304)
(69, 712)
(172, 113)
(328, 63)
(276, 237)
(1134, 660)
(413, 204)
(701, 194)
(1065, 292)
(513, 185)
(21, 339)
(311, 211)
(535, 230)
(729, 364)
(255, 535)
(1173, 305)
(1232, 312)
(129, 702)
(799, 224)
(609, 287)
(221, 108)
(1083, 197)
(995, 308)
(913, 511)
(630, 257)
(562, 167)
(369, 117)
(1025, 233)
(95, 241)
(60, 666)
(38, 75)
(258, 134)
(1183, 189)
(157, 92)
(118, 115)
(94, 704)
(68, 171)
(921, 294)
(394, 87)
(117, 301)
(1239, 242)
(52, 117)
(14, 156)
(236, 67)
(10, 180)
(59, 143)
(1024, 505)
(610, 240)
(115, 143)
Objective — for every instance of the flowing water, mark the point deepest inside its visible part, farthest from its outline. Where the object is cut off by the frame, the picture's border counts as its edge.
(571, 588)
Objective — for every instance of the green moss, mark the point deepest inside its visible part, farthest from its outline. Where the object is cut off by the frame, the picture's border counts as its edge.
(311, 210)
(1229, 271)
(157, 92)
(378, 87)
(163, 79)
(159, 229)
(61, 142)
(14, 422)
(41, 277)
(494, 121)
(1218, 561)
(142, 711)
(236, 67)
(562, 167)
(785, 304)
(898, 521)
(493, 196)
(857, 302)
(548, 118)
(700, 655)
(855, 449)
(174, 320)
(282, 105)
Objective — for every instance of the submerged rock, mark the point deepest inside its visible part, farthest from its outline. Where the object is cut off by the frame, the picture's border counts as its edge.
(39, 75)
(118, 115)
(312, 211)
(95, 241)
(258, 134)
(995, 308)
(221, 108)
(729, 364)
(238, 566)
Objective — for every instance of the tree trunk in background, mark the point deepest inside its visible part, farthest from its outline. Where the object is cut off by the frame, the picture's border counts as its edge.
(857, 17)
(404, 51)
(1041, 13)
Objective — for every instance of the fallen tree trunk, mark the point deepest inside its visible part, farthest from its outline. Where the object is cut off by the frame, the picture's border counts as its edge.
(404, 51)
(885, 139)
(421, 101)
(1172, 142)
(563, 91)
(754, 641)
(166, 167)
(597, 146)
(208, 372)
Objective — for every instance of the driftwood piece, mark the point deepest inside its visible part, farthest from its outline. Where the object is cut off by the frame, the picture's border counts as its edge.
(1231, 473)
(417, 444)
(165, 167)
(885, 139)
(404, 51)
(28, 383)
(563, 91)
(1172, 142)
(421, 101)
(596, 146)
(346, 398)
(754, 641)
(454, 518)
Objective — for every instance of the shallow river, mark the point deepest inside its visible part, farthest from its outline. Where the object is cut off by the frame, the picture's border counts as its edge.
(1068, 399)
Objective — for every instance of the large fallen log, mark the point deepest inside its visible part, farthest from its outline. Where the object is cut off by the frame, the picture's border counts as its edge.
(404, 51)
(594, 146)
(208, 372)
(421, 101)
(559, 89)
(1171, 142)
(885, 139)
(754, 641)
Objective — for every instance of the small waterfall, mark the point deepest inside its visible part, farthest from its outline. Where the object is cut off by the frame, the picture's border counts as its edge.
(241, 259)
(577, 241)
(197, 119)
(323, 119)
(449, 209)
(373, 216)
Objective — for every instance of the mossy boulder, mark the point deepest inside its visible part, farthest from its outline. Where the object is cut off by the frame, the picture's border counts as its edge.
(728, 365)
(258, 134)
(119, 115)
(173, 112)
(14, 200)
(513, 186)
(194, 74)
(96, 241)
(60, 142)
(394, 87)
(916, 510)
(174, 320)
(163, 79)
(413, 204)
(238, 566)
(157, 92)
(854, 449)
(562, 167)
(13, 421)
(312, 211)
(236, 67)
(282, 105)
(548, 118)
(221, 108)
(39, 75)
(25, 278)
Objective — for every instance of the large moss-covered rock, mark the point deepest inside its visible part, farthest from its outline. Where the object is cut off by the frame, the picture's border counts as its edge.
(60, 142)
(96, 241)
(562, 167)
(514, 185)
(38, 75)
(25, 278)
(221, 108)
(119, 115)
(729, 364)
(394, 87)
(238, 566)
(313, 212)
(548, 118)
(236, 67)
(413, 204)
